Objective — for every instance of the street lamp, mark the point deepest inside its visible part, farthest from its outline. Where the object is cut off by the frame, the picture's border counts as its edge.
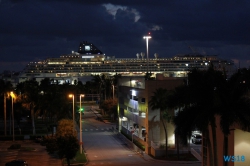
(81, 95)
(113, 91)
(147, 37)
(13, 133)
(187, 72)
(72, 96)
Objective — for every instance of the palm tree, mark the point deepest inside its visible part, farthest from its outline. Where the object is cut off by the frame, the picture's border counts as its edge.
(5, 88)
(29, 91)
(210, 95)
(179, 100)
(53, 102)
(203, 89)
(234, 104)
(99, 83)
(116, 78)
(158, 101)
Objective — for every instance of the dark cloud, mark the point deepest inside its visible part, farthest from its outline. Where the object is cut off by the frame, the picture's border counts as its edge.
(33, 30)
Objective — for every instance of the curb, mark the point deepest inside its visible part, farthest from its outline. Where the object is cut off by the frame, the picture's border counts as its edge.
(147, 157)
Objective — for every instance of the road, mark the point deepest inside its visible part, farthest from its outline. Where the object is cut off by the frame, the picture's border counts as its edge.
(105, 147)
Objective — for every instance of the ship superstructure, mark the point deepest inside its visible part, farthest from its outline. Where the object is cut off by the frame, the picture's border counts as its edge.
(89, 60)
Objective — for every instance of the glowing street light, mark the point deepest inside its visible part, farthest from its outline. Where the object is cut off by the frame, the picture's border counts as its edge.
(147, 37)
(81, 109)
(187, 72)
(72, 96)
(13, 127)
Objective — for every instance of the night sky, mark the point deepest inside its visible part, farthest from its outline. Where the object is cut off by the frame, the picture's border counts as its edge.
(33, 30)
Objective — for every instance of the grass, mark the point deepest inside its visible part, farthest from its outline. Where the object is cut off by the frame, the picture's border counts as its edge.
(27, 149)
(80, 159)
(14, 146)
(18, 147)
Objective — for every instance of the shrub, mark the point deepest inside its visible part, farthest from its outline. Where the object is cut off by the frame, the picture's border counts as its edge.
(51, 144)
(15, 146)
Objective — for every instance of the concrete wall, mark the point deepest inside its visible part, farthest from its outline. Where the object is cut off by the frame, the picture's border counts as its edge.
(220, 142)
(161, 152)
(134, 117)
(156, 130)
(242, 147)
(238, 145)
(134, 136)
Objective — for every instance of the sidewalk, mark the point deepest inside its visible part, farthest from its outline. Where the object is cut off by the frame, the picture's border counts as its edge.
(147, 157)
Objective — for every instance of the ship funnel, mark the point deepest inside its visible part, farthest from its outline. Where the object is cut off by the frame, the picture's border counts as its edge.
(142, 55)
(156, 55)
(138, 55)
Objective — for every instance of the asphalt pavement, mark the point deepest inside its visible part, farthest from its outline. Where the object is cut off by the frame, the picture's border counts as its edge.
(38, 156)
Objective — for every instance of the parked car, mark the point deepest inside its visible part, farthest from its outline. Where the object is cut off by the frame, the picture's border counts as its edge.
(18, 162)
(196, 138)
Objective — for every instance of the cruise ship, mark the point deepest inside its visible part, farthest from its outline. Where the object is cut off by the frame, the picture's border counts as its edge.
(89, 60)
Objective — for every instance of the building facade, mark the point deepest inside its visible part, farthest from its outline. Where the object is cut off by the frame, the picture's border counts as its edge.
(136, 118)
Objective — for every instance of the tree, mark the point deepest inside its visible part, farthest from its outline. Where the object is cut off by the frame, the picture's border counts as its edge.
(110, 106)
(211, 96)
(179, 100)
(200, 110)
(67, 147)
(29, 91)
(204, 87)
(103, 85)
(159, 101)
(99, 83)
(65, 142)
(190, 119)
(5, 88)
(51, 144)
(65, 128)
(53, 101)
(234, 104)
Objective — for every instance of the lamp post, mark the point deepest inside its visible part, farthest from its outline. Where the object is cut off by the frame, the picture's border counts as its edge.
(72, 96)
(132, 138)
(187, 72)
(81, 95)
(113, 91)
(13, 133)
(147, 37)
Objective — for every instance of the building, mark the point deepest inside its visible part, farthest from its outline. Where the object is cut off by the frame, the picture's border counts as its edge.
(137, 119)
(89, 60)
